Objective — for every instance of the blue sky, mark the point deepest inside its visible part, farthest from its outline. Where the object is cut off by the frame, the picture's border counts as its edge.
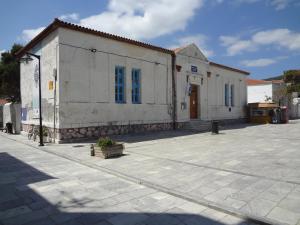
(260, 36)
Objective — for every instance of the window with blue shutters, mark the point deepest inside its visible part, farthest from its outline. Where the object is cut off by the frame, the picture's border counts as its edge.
(136, 86)
(232, 95)
(120, 84)
(226, 95)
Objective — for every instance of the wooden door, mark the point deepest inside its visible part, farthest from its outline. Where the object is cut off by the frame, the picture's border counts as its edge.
(194, 102)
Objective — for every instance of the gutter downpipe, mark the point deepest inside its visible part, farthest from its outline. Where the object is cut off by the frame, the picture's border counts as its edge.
(174, 91)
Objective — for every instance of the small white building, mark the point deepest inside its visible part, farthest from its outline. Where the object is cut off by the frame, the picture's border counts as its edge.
(266, 91)
(94, 83)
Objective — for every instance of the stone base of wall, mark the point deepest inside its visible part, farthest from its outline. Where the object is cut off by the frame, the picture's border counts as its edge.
(66, 135)
(27, 127)
(228, 122)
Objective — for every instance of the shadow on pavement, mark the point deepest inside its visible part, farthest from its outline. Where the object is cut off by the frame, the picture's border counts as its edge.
(20, 204)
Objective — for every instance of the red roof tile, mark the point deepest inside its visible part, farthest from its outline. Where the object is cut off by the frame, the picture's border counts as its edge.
(257, 82)
(277, 81)
(229, 68)
(58, 23)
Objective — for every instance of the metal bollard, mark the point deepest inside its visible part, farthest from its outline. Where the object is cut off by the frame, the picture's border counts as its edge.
(215, 127)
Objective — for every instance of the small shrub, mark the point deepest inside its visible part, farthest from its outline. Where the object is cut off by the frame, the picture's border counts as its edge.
(105, 142)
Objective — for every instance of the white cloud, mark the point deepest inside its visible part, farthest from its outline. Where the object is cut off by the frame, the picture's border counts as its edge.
(29, 34)
(280, 4)
(142, 20)
(282, 38)
(277, 4)
(258, 62)
(145, 19)
(70, 17)
(235, 46)
(200, 40)
(247, 1)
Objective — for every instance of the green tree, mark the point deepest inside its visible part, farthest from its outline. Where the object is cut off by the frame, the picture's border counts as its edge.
(292, 79)
(10, 75)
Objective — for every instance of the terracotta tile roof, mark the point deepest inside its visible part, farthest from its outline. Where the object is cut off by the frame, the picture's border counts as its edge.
(229, 68)
(277, 81)
(257, 82)
(58, 23)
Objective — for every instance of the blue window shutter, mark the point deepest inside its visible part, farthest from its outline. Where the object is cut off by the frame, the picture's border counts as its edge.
(136, 89)
(232, 95)
(226, 95)
(119, 84)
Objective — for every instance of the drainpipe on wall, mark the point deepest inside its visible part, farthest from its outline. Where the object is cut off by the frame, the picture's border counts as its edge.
(174, 91)
(54, 109)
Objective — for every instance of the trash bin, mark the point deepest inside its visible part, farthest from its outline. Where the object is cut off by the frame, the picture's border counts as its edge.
(215, 127)
(9, 127)
(284, 116)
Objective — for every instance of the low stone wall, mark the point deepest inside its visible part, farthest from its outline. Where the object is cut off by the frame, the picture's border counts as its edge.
(74, 134)
(233, 121)
(1, 116)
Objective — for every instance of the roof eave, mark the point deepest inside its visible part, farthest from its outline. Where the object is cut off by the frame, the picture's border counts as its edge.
(52, 27)
(229, 68)
(58, 23)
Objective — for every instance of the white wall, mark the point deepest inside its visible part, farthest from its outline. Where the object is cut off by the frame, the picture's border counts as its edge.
(87, 82)
(12, 114)
(48, 49)
(211, 89)
(258, 93)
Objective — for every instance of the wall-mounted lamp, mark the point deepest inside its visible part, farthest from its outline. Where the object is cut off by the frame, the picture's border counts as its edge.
(178, 68)
(93, 50)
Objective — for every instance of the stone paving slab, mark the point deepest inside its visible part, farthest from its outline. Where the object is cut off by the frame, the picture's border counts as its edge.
(46, 189)
(238, 170)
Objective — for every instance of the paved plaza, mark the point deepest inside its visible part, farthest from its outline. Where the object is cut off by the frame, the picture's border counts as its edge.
(170, 177)
(39, 188)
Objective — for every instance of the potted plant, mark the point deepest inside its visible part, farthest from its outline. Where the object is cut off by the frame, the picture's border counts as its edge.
(107, 148)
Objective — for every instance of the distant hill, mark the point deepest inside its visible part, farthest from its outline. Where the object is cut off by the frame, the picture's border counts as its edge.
(275, 78)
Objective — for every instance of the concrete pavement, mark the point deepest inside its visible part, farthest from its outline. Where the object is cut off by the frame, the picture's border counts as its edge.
(249, 170)
(42, 188)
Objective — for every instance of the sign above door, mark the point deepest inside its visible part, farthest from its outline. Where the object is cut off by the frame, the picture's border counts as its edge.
(194, 69)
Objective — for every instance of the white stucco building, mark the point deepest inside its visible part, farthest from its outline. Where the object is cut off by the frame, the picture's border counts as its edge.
(265, 91)
(94, 83)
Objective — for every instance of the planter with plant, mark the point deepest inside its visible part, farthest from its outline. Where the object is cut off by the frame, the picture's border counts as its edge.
(107, 148)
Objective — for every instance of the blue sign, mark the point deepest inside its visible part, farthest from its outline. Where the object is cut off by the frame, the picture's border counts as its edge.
(194, 69)
(24, 114)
